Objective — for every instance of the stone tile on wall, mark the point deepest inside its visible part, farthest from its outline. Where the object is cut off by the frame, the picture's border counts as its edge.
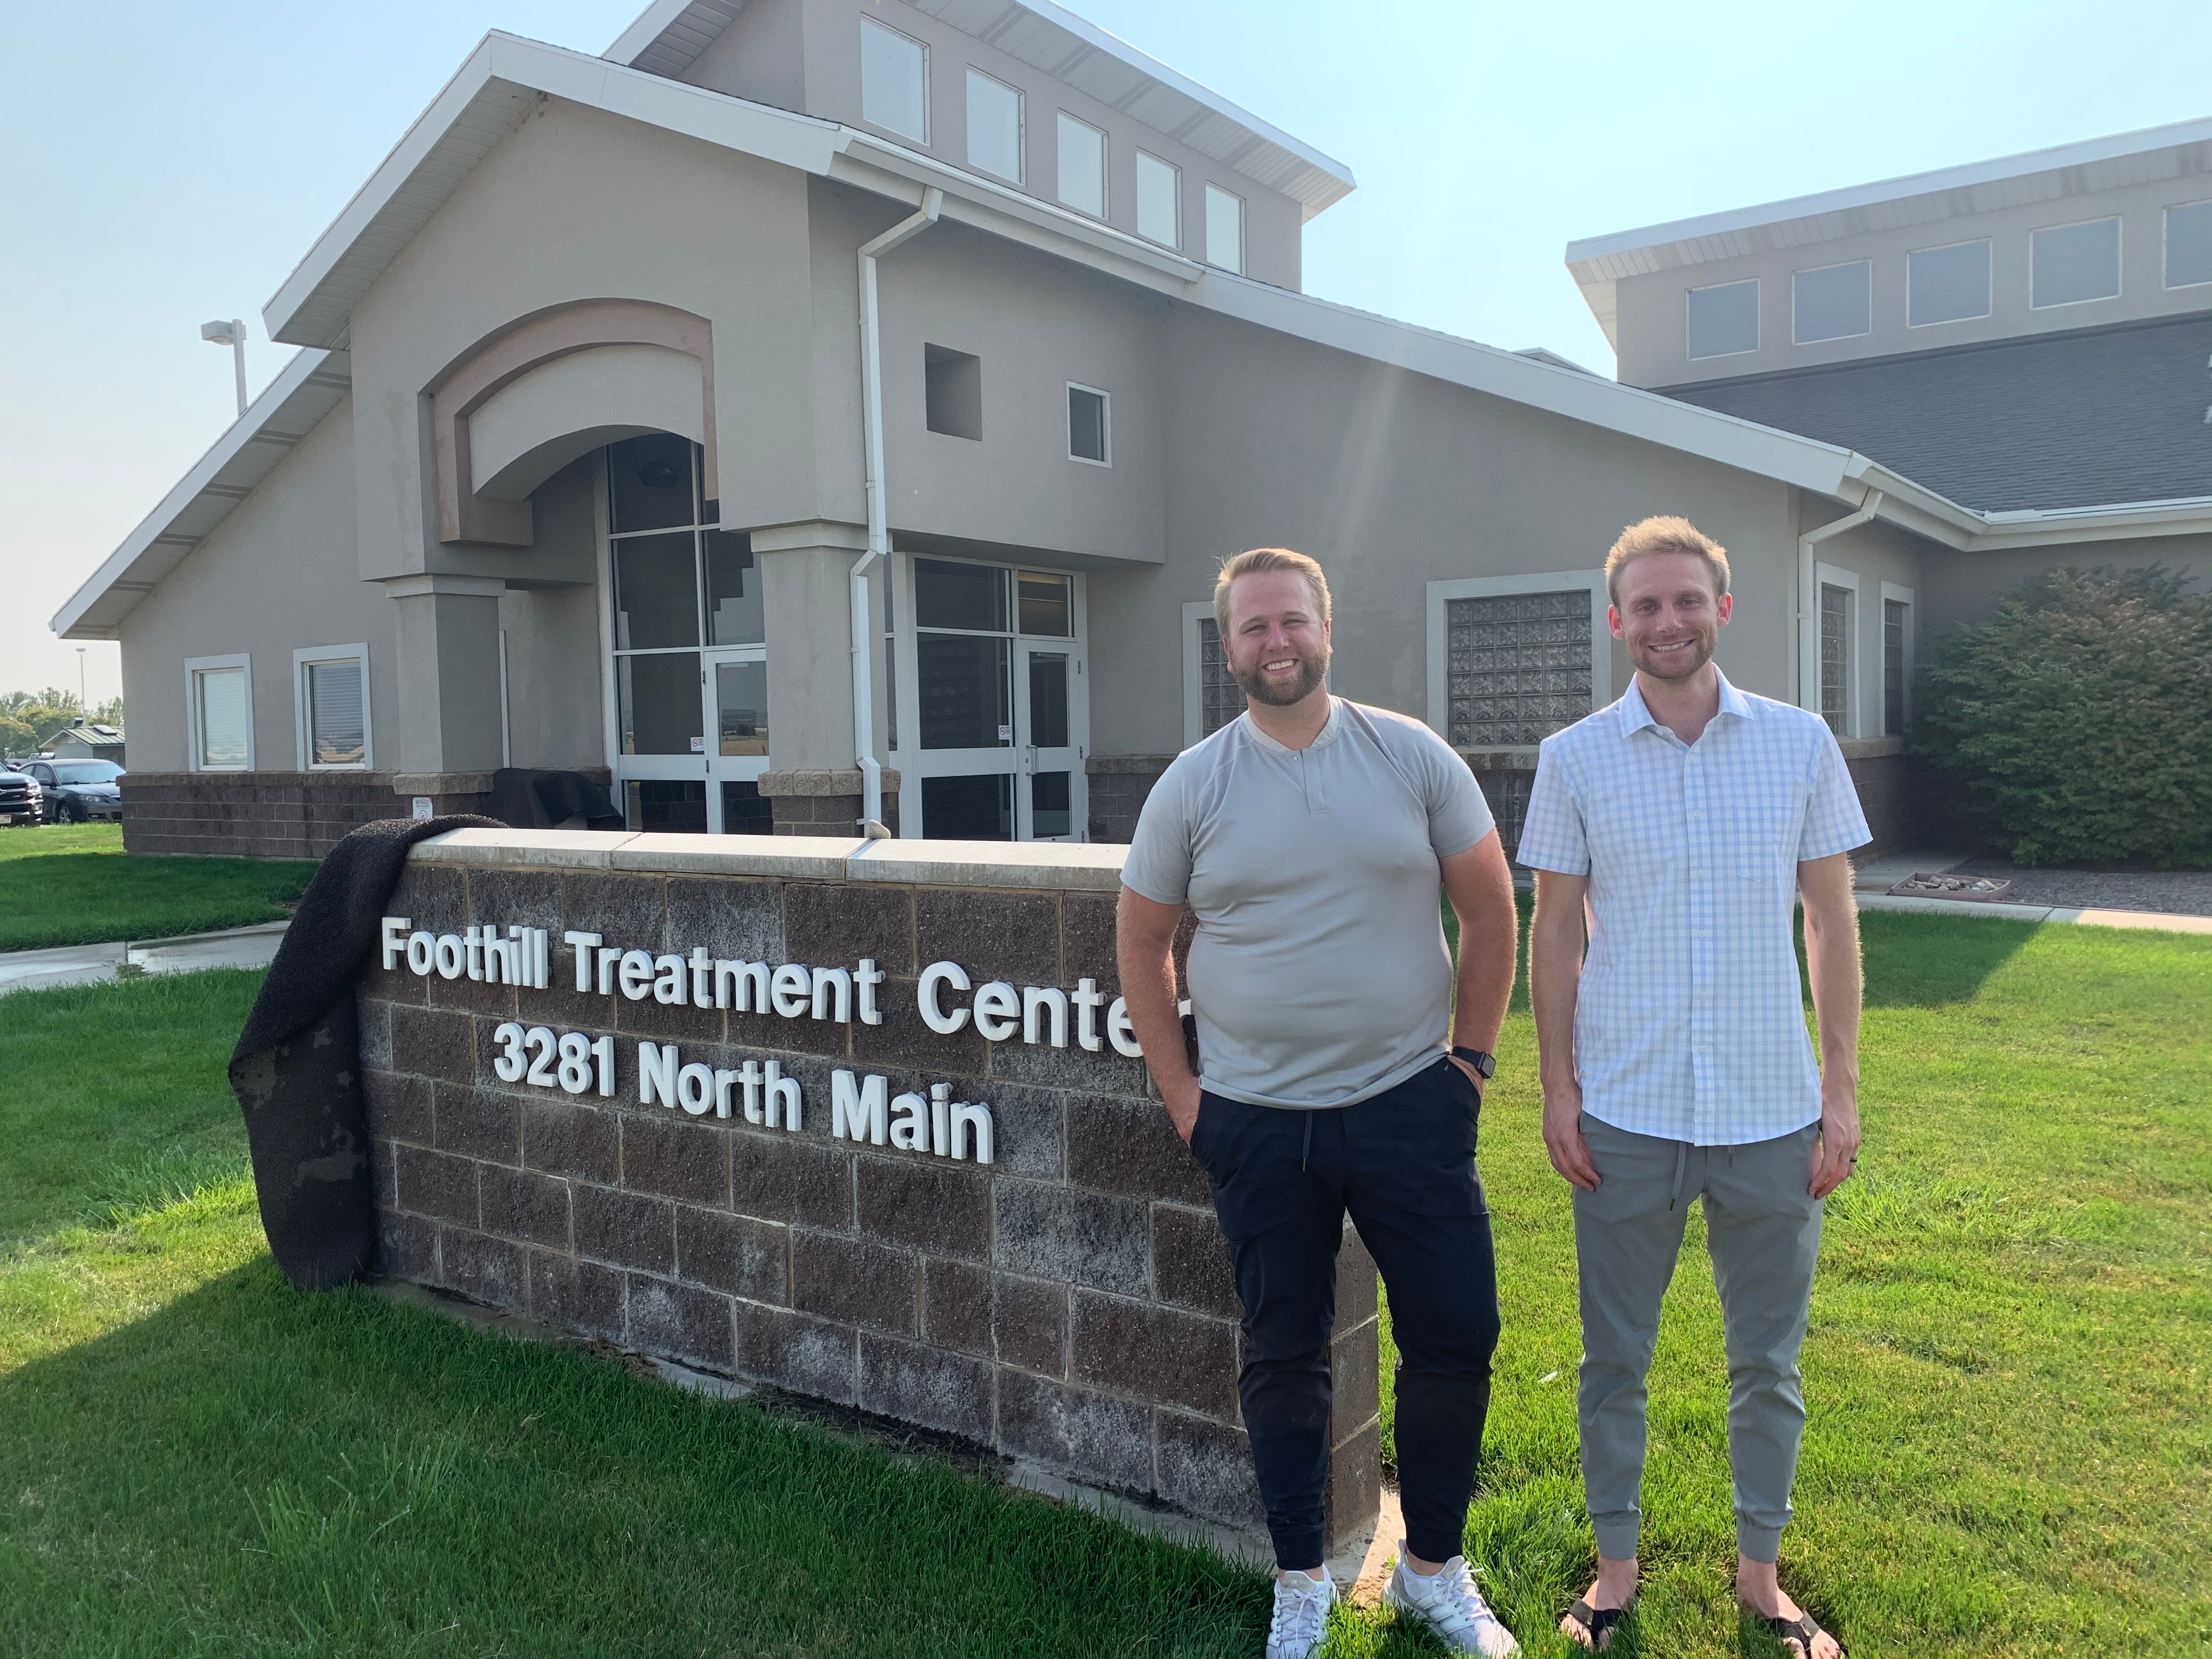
(582, 1294)
(1156, 1354)
(517, 898)
(1206, 1467)
(433, 897)
(1105, 1072)
(668, 1022)
(948, 1392)
(681, 1322)
(1082, 1239)
(1121, 1146)
(434, 1185)
(1190, 1262)
(904, 1038)
(516, 1204)
(676, 1156)
(476, 1123)
(853, 1281)
(561, 1139)
(780, 1177)
(827, 924)
(735, 1253)
(399, 1107)
(627, 1229)
(732, 917)
(797, 1352)
(926, 1203)
(406, 1247)
(956, 1305)
(434, 1042)
(1103, 1439)
(629, 911)
(1014, 936)
(1087, 943)
(483, 1268)
(1028, 1324)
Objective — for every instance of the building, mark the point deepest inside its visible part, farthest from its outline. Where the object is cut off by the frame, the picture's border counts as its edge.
(814, 411)
(83, 739)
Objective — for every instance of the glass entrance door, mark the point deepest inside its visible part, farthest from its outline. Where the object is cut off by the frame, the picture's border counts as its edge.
(992, 710)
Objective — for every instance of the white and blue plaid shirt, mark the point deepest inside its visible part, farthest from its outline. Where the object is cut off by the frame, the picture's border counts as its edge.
(1689, 1023)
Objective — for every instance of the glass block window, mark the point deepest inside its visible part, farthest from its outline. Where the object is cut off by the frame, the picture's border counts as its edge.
(1506, 793)
(1892, 667)
(1519, 666)
(1220, 699)
(1836, 657)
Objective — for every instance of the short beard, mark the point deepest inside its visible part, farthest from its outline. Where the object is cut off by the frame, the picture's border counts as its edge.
(1257, 688)
(1702, 655)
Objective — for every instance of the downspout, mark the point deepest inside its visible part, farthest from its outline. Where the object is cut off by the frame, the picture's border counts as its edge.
(1808, 599)
(872, 422)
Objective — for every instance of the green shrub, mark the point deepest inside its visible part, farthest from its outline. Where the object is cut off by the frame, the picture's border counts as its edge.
(2075, 724)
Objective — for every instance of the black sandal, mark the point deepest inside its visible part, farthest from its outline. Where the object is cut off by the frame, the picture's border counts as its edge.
(1803, 1628)
(1597, 1623)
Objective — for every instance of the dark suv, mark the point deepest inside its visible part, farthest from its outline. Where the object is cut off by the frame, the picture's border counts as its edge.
(78, 790)
(19, 794)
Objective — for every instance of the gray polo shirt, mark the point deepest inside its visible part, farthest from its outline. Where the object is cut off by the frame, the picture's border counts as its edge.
(1320, 974)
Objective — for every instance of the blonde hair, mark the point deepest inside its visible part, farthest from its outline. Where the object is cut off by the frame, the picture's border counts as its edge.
(1256, 561)
(1661, 534)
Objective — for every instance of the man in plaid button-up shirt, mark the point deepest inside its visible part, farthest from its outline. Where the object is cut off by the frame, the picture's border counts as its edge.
(1683, 821)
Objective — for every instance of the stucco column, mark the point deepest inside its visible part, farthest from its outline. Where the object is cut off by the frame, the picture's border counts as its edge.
(448, 677)
(806, 572)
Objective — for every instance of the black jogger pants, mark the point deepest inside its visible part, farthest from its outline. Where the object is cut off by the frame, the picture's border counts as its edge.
(1402, 1165)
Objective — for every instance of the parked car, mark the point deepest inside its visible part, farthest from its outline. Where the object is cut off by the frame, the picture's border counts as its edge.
(77, 792)
(22, 801)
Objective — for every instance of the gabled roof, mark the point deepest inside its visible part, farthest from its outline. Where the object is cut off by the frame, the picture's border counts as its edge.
(670, 33)
(2036, 175)
(2051, 421)
(506, 74)
(305, 390)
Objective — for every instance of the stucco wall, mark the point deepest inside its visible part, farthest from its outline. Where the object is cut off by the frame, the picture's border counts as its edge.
(276, 575)
(1875, 553)
(1965, 587)
(556, 664)
(576, 204)
(1394, 480)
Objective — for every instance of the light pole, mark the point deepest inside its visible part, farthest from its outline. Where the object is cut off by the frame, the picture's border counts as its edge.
(83, 706)
(232, 334)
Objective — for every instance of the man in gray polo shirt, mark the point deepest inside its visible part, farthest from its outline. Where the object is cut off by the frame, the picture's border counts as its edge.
(1338, 1071)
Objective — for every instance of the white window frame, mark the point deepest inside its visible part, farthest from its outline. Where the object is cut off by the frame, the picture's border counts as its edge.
(1105, 166)
(1244, 229)
(193, 665)
(1021, 126)
(1757, 318)
(1490, 587)
(1833, 575)
(2119, 262)
(1814, 270)
(1105, 422)
(1909, 600)
(1945, 247)
(1194, 611)
(923, 139)
(302, 739)
(1176, 206)
(2166, 243)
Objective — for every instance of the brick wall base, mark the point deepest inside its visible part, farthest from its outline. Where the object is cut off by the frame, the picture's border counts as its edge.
(265, 815)
(1071, 1303)
(1120, 785)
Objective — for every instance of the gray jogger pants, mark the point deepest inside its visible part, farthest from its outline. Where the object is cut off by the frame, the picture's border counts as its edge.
(1763, 1230)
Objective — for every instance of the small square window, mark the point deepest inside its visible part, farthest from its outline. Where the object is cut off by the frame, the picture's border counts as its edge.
(994, 126)
(1045, 604)
(1946, 284)
(2069, 265)
(1225, 229)
(337, 712)
(2189, 245)
(1723, 321)
(1082, 166)
(952, 390)
(1087, 436)
(1159, 200)
(1835, 302)
(893, 82)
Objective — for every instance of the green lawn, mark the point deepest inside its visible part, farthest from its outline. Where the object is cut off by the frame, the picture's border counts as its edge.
(73, 884)
(2008, 1450)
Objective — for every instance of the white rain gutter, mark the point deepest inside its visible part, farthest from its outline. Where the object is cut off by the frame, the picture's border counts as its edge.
(872, 423)
(1808, 605)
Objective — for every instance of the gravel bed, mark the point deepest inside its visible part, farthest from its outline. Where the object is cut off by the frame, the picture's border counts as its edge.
(2176, 892)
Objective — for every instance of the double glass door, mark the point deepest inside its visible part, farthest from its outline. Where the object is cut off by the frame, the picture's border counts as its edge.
(690, 683)
(992, 702)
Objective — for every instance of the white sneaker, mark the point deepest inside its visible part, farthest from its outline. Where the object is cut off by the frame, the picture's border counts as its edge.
(1301, 1620)
(1451, 1607)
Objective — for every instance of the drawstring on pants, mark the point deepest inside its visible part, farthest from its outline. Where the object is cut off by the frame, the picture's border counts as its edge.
(1308, 1152)
(1681, 1161)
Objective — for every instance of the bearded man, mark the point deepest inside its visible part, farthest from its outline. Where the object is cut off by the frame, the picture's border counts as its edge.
(1676, 826)
(1339, 1072)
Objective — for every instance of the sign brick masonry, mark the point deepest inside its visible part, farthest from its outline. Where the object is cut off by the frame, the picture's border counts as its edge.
(1048, 1281)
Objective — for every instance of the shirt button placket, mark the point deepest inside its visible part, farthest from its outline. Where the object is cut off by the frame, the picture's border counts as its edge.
(1699, 839)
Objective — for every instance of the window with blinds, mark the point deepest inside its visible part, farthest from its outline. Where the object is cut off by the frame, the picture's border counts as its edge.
(1220, 699)
(1519, 666)
(338, 715)
(222, 714)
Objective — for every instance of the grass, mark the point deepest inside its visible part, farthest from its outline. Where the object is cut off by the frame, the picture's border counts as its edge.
(2008, 1453)
(72, 883)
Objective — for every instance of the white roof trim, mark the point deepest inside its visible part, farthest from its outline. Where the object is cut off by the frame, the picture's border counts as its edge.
(305, 390)
(1599, 262)
(670, 33)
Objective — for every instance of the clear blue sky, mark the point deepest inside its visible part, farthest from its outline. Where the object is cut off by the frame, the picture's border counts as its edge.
(174, 162)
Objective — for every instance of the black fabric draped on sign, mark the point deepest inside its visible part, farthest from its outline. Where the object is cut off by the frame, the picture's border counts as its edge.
(296, 1069)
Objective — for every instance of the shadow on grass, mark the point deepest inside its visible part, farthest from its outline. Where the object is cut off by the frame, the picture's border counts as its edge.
(259, 1471)
(1929, 962)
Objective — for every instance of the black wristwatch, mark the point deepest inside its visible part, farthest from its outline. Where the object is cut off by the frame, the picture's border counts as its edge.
(1484, 1063)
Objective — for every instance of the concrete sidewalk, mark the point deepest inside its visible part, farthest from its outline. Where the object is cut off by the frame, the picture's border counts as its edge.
(1875, 879)
(89, 964)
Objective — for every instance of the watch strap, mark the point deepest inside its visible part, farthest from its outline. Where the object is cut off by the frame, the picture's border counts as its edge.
(1481, 1060)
